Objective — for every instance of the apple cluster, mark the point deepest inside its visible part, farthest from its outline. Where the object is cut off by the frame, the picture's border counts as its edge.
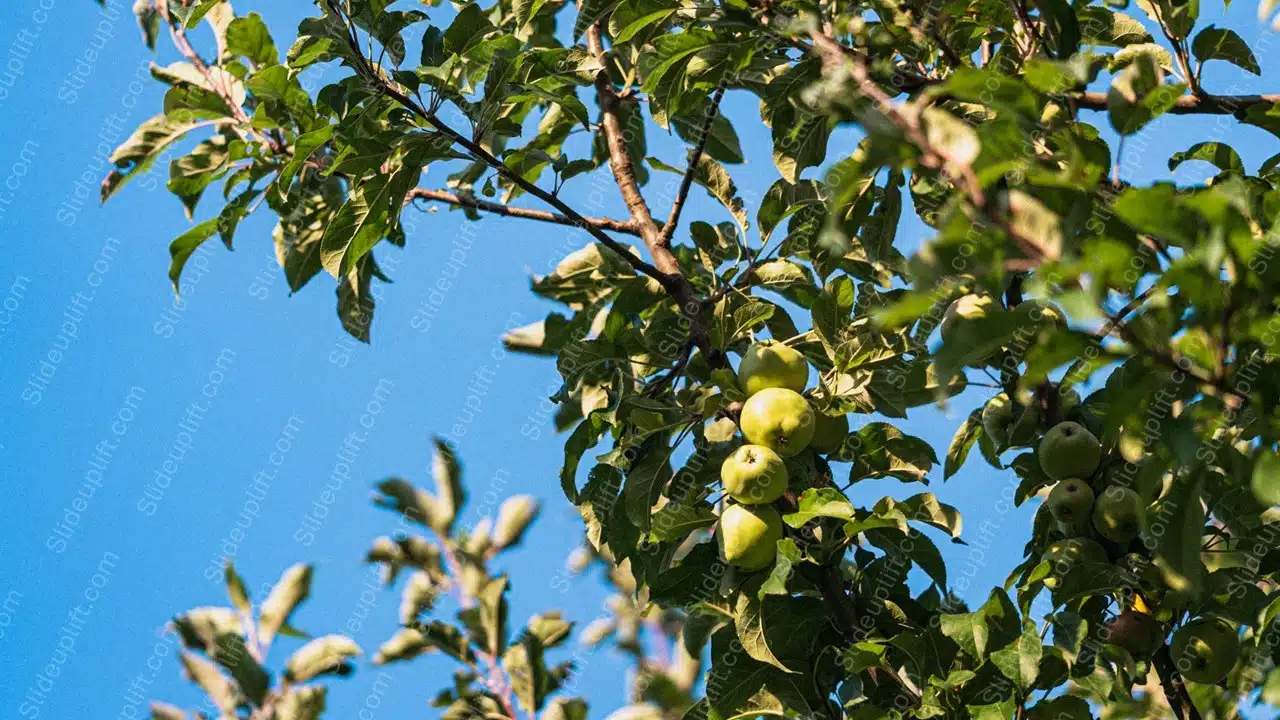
(777, 422)
(1097, 519)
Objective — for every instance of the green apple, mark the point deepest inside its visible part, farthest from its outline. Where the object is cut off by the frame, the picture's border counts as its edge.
(829, 432)
(966, 309)
(1066, 554)
(1117, 515)
(779, 419)
(1069, 450)
(1045, 313)
(754, 474)
(749, 535)
(1205, 649)
(1137, 632)
(1070, 502)
(770, 364)
(997, 415)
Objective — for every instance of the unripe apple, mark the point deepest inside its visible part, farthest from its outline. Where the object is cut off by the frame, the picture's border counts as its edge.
(770, 364)
(997, 415)
(779, 419)
(1137, 632)
(1117, 515)
(1066, 554)
(1069, 450)
(829, 432)
(749, 535)
(754, 474)
(1070, 502)
(966, 308)
(1205, 649)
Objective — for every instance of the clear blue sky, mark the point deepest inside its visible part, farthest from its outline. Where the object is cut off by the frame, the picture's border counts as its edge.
(131, 426)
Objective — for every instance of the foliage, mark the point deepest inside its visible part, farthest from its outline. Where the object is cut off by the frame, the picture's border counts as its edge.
(1146, 314)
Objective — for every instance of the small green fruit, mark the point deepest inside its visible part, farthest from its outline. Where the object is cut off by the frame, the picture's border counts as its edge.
(1070, 502)
(754, 474)
(779, 419)
(1118, 514)
(829, 432)
(749, 535)
(1066, 554)
(1069, 450)
(965, 309)
(1205, 649)
(1136, 632)
(997, 415)
(770, 364)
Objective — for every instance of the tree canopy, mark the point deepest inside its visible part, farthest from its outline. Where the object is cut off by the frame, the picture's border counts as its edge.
(1124, 334)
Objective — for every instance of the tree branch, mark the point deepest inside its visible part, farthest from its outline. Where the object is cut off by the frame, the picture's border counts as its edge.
(577, 220)
(686, 182)
(655, 238)
(619, 226)
(958, 173)
(1175, 691)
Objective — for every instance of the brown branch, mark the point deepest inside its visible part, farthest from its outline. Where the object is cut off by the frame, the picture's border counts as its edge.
(1191, 104)
(620, 161)
(686, 182)
(619, 226)
(655, 239)
(1175, 691)
(478, 152)
(958, 173)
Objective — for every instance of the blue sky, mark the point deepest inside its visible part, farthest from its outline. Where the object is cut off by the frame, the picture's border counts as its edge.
(132, 424)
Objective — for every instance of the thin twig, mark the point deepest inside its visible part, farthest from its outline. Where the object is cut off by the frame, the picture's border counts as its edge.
(686, 182)
(619, 226)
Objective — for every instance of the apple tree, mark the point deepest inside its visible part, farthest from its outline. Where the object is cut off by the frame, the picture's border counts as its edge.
(1121, 336)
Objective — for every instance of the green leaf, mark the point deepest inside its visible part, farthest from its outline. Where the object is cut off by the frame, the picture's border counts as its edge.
(784, 199)
(966, 435)
(1213, 43)
(1138, 96)
(1020, 661)
(248, 36)
(1265, 479)
(820, 502)
(993, 625)
(451, 495)
(514, 517)
(139, 152)
(369, 214)
(712, 176)
(304, 703)
(235, 588)
(885, 451)
(788, 557)
(1101, 26)
(1223, 156)
(290, 591)
(330, 654)
(926, 508)
(589, 12)
(303, 147)
(1059, 19)
(646, 479)
(527, 672)
(220, 689)
(800, 144)
(779, 630)
(674, 522)
(1176, 524)
(184, 245)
